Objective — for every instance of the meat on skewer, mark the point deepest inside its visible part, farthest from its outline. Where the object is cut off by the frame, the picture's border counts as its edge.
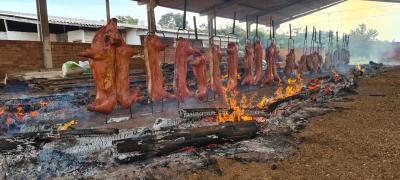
(232, 60)
(313, 62)
(199, 71)
(102, 63)
(248, 65)
(302, 67)
(290, 63)
(214, 57)
(125, 96)
(328, 61)
(258, 57)
(271, 74)
(155, 78)
(183, 51)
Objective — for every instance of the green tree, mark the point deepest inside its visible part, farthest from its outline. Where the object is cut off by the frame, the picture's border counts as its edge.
(362, 41)
(202, 28)
(363, 33)
(172, 21)
(127, 20)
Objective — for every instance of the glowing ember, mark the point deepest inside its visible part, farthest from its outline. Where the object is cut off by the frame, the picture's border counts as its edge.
(327, 89)
(67, 125)
(189, 149)
(314, 84)
(336, 76)
(33, 113)
(42, 103)
(20, 113)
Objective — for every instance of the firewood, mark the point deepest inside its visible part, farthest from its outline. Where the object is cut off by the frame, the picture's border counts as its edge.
(162, 143)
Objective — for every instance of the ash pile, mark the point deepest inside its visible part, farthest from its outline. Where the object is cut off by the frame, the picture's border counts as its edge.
(256, 131)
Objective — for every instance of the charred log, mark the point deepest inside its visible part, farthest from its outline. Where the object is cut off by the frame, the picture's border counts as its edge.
(168, 142)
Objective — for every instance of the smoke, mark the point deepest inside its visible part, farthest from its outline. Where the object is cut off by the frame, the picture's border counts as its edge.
(373, 50)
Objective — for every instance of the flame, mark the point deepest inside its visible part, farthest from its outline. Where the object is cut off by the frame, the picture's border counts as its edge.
(42, 103)
(358, 67)
(293, 87)
(2, 109)
(67, 125)
(263, 102)
(278, 94)
(236, 110)
(226, 76)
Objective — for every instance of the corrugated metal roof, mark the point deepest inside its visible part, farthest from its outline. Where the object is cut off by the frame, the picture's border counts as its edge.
(280, 10)
(32, 18)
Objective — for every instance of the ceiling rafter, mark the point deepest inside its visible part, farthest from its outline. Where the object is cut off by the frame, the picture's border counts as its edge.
(274, 9)
(225, 4)
(311, 11)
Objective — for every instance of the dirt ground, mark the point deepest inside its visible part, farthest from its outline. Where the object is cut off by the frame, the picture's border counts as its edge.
(360, 142)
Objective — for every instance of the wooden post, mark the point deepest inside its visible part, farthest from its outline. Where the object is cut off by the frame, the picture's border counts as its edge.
(151, 19)
(44, 33)
(6, 26)
(108, 10)
(210, 29)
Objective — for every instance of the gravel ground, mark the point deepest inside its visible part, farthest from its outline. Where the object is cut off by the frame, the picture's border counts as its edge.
(360, 142)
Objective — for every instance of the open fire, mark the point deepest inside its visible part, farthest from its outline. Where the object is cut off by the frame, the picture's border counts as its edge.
(238, 105)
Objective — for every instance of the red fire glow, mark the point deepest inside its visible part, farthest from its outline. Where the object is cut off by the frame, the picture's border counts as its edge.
(2, 110)
(42, 103)
(20, 113)
(33, 113)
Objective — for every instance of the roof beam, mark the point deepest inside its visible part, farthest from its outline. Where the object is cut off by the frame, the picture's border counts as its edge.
(258, 8)
(310, 12)
(225, 4)
(274, 9)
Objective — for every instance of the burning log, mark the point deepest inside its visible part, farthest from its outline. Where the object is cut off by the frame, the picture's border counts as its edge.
(167, 142)
(199, 113)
